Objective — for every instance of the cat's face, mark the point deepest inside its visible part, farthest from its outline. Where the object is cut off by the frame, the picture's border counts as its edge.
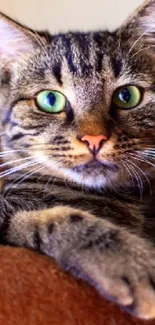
(79, 104)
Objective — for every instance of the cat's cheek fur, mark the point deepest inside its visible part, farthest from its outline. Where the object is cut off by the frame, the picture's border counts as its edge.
(108, 257)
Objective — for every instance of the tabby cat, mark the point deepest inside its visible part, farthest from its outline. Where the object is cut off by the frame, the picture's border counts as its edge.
(77, 137)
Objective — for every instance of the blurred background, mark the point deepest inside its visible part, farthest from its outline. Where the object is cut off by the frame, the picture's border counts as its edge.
(62, 15)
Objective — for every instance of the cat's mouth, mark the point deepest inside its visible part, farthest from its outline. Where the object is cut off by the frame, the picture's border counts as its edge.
(96, 165)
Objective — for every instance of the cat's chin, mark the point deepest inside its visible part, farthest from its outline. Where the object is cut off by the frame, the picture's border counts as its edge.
(93, 174)
(87, 180)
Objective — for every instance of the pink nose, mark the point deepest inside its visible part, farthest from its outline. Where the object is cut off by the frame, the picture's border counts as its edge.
(94, 142)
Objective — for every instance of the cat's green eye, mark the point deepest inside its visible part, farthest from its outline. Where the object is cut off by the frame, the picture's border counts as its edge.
(51, 101)
(127, 97)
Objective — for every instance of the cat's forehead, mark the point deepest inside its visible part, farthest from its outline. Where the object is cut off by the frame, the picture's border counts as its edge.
(86, 53)
(81, 56)
(85, 64)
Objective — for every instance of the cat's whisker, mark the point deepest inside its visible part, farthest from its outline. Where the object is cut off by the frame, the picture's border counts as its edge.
(48, 182)
(149, 151)
(141, 158)
(54, 178)
(40, 42)
(143, 173)
(139, 38)
(148, 155)
(23, 177)
(112, 187)
(40, 176)
(14, 161)
(17, 168)
(107, 190)
(137, 177)
(36, 170)
(65, 182)
(125, 164)
(9, 152)
(141, 50)
(145, 161)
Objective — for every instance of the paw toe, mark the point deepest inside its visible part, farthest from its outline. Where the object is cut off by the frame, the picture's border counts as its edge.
(118, 291)
(145, 302)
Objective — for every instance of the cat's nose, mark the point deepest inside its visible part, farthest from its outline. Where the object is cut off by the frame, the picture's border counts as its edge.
(94, 142)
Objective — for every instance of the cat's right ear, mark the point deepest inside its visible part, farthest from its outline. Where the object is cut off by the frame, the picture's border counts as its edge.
(14, 39)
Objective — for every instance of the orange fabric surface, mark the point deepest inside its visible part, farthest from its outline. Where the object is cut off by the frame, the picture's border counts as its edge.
(34, 291)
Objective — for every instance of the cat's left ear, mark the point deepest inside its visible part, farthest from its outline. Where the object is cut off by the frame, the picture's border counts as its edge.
(14, 39)
(141, 24)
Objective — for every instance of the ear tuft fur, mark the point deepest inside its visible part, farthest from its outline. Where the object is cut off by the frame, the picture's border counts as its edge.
(14, 39)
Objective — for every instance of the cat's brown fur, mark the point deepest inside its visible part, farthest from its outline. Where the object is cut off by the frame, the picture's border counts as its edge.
(92, 210)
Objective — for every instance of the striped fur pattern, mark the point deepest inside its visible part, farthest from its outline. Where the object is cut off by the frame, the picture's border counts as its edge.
(95, 217)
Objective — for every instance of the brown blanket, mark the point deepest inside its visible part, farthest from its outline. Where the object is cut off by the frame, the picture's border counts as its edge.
(34, 291)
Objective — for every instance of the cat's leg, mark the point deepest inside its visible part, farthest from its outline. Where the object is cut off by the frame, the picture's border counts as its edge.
(119, 264)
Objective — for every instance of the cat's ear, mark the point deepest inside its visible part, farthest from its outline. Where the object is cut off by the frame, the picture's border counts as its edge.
(14, 39)
(141, 24)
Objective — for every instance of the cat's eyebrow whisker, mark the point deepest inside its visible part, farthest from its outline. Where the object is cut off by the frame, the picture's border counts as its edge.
(40, 42)
(139, 38)
(141, 50)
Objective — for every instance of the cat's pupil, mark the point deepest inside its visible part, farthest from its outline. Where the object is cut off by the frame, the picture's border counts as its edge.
(51, 99)
(125, 95)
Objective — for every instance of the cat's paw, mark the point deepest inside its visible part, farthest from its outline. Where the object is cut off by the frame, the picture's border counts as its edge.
(124, 276)
(119, 264)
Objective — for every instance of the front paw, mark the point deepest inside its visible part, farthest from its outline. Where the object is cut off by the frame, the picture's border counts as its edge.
(119, 264)
(124, 275)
